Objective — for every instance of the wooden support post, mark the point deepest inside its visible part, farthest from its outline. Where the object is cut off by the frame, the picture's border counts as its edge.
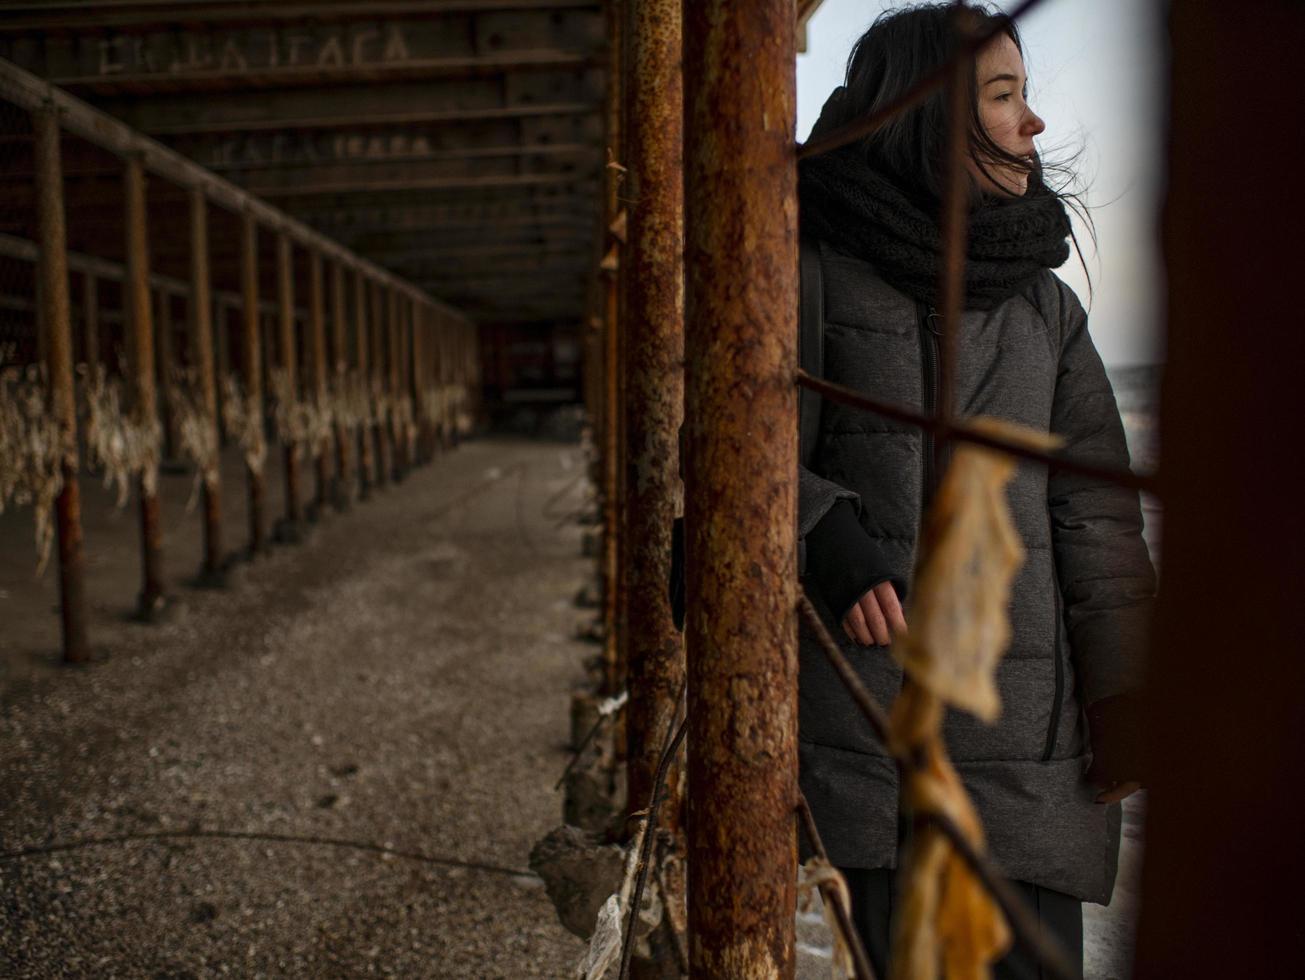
(253, 374)
(317, 332)
(201, 327)
(289, 528)
(222, 347)
(740, 263)
(140, 358)
(394, 360)
(55, 322)
(366, 465)
(339, 373)
(91, 320)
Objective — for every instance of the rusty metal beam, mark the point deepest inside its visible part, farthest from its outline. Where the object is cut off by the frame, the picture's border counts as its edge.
(54, 320)
(741, 467)
(323, 186)
(140, 360)
(252, 347)
(201, 327)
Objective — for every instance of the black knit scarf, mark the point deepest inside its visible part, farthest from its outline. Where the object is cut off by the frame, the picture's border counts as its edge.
(863, 213)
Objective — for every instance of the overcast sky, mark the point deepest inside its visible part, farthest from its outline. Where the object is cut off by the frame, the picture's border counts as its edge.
(1095, 68)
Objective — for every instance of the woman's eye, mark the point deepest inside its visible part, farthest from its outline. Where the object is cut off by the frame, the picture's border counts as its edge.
(1004, 97)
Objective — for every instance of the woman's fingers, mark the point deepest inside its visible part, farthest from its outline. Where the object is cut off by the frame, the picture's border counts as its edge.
(874, 618)
(856, 622)
(891, 607)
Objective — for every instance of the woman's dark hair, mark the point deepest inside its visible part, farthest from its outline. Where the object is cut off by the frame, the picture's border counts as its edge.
(899, 49)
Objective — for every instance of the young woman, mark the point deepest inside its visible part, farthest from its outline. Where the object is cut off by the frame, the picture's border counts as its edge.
(1048, 776)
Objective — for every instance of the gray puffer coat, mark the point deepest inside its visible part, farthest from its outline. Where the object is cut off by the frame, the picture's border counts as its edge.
(1080, 605)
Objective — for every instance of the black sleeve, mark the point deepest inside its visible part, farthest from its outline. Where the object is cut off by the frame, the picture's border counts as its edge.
(843, 562)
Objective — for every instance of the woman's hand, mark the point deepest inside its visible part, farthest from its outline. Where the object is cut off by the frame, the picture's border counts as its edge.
(876, 618)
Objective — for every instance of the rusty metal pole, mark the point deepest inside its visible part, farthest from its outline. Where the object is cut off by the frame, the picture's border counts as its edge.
(55, 321)
(141, 370)
(740, 263)
(201, 325)
(339, 371)
(611, 356)
(164, 365)
(253, 372)
(416, 324)
(655, 392)
(654, 359)
(394, 358)
(285, 289)
(91, 320)
(379, 332)
(366, 465)
(317, 332)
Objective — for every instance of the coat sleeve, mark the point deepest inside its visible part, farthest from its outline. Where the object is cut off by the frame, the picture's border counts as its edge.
(1106, 578)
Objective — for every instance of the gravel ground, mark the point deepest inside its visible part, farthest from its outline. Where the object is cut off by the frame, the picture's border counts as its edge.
(398, 681)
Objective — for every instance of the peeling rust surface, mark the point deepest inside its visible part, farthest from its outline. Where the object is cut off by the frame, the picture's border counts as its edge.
(741, 467)
(655, 388)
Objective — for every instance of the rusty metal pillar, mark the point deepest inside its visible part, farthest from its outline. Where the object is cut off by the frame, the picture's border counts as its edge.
(611, 268)
(141, 371)
(1224, 851)
(366, 465)
(740, 263)
(288, 355)
(55, 324)
(91, 320)
(317, 333)
(165, 363)
(416, 367)
(339, 371)
(379, 333)
(394, 360)
(252, 349)
(201, 327)
(655, 386)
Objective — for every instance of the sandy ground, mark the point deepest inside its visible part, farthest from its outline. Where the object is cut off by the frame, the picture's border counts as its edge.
(399, 682)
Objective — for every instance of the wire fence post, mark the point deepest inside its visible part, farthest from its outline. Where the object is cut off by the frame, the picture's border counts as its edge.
(252, 364)
(55, 323)
(201, 325)
(741, 255)
(141, 370)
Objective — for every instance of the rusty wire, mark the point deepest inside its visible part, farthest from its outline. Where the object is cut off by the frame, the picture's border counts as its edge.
(860, 959)
(1023, 924)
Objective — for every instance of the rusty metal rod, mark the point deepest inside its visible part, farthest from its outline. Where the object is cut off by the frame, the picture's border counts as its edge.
(1024, 924)
(201, 331)
(340, 372)
(252, 368)
(861, 128)
(961, 431)
(56, 326)
(381, 430)
(832, 896)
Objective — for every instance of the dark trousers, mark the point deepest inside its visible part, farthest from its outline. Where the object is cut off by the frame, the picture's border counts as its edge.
(1058, 914)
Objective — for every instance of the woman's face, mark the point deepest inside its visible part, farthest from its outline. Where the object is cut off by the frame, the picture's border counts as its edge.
(1006, 117)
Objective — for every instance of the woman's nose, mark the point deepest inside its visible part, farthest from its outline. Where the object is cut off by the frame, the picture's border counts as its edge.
(1032, 124)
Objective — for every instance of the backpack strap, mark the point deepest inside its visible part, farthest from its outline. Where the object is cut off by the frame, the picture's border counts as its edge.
(811, 344)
